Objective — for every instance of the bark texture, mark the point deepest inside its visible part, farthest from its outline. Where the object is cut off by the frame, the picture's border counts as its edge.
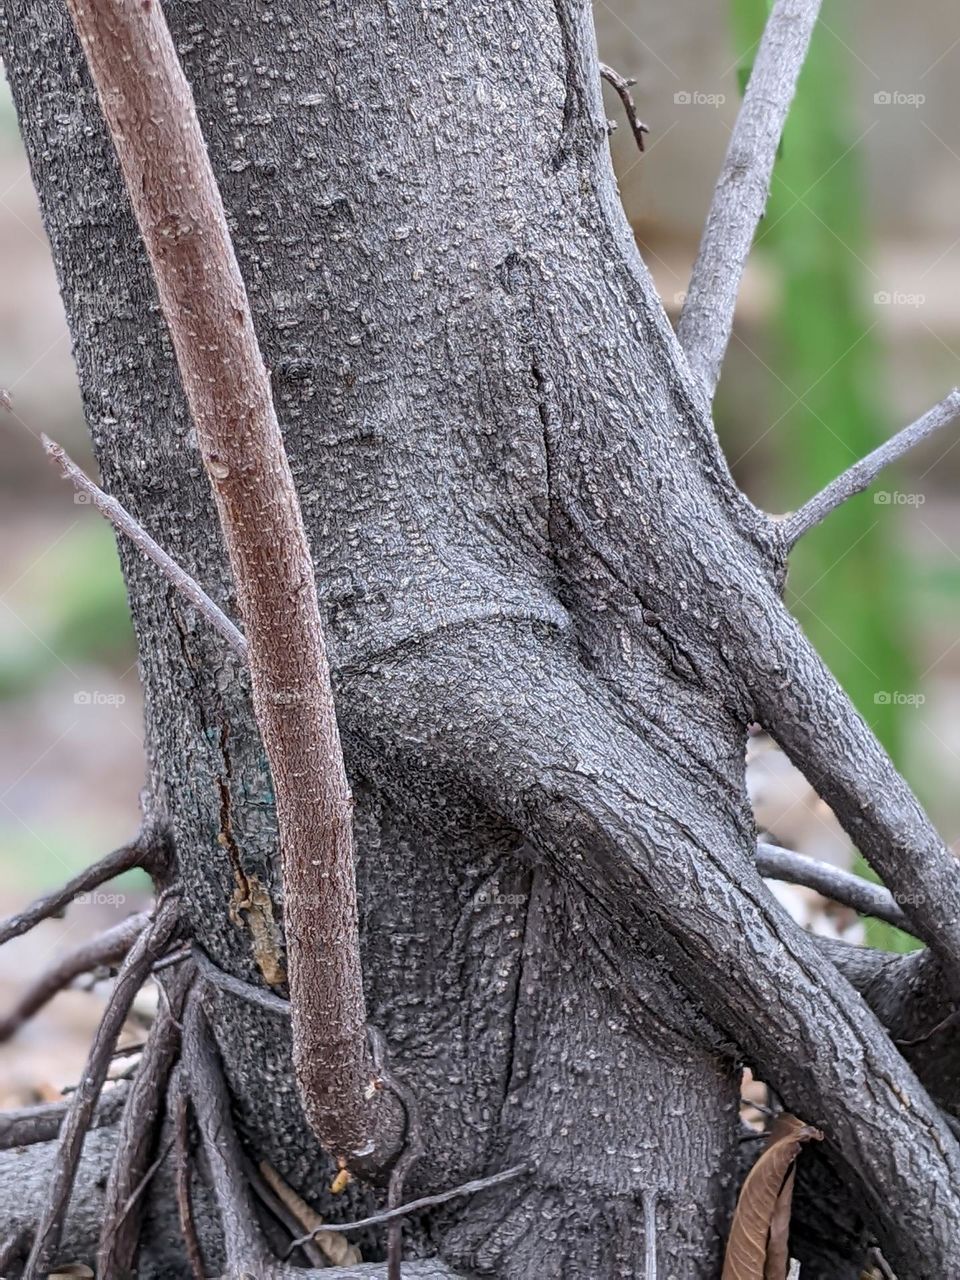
(550, 616)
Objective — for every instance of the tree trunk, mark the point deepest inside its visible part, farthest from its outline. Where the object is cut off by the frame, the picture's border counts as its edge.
(537, 580)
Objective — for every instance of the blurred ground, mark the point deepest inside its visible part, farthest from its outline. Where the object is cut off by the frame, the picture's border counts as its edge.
(71, 761)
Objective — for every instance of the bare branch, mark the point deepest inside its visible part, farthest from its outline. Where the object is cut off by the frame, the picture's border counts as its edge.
(799, 702)
(863, 473)
(136, 854)
(137, 1132)
(244, 1245)
(132, 975)
(706, 320)
(108, 948)
(27, 1125)
(775, 863)
(623, 86)
(124, 523)
(425, 1202)
(150, 113)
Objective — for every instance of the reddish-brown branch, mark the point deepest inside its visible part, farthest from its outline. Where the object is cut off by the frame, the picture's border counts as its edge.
(108, 948)
(150, 113)
(135, 970)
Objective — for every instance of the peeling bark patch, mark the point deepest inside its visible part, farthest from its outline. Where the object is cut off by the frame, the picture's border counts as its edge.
(251, 905)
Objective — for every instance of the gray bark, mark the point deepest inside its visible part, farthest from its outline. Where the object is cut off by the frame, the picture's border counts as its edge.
(550, 614)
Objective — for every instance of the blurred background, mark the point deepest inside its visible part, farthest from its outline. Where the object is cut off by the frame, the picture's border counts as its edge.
(848, 328)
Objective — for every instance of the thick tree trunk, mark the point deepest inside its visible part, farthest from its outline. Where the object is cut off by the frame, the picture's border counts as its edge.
(536, 578)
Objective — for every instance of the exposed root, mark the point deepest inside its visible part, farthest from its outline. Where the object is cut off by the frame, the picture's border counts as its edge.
(146, 851)
(180, 1105)
(136, 968)
(138, 1130)
(107, 949)
(244, 1245)
(28, 1125)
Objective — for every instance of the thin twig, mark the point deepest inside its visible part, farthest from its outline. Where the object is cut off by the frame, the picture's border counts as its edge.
(188, 1229)
(244, 1245)
(863, 473)
(152, 120)
(138, 1128)
(107, 948)
(412, 1151)
(852, 891)
(706, 319)
(128, 856)
(123, 521)
(425, 1202)
(42, 1123)
(650, 1234)
(134, 971)
(623, 85)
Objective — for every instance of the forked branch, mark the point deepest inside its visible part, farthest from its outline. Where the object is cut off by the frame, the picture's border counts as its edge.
(706, 320)
(863, 473)
(622, 87)
(151, 117)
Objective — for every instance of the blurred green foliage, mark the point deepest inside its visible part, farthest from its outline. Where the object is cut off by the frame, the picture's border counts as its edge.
(40, 859)
(848, 580)
(78, 612)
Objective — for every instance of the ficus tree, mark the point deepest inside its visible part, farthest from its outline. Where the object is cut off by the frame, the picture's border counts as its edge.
(391, 421)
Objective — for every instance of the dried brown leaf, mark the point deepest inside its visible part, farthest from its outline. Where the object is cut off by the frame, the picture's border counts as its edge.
(757, 1247)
